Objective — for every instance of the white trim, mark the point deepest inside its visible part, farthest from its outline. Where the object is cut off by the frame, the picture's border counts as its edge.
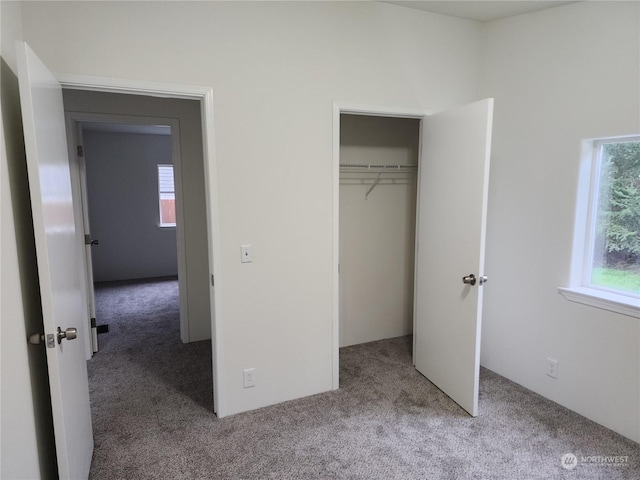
(205, 96)
(601, 299)
(352, 109)
(335, 248)
(593, 149)
(78, 190)
(133, 87)
(381, 111)
(215, 251)
(183, 290)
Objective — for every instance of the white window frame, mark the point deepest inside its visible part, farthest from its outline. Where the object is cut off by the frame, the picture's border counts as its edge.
(580, 288)
(160, 192)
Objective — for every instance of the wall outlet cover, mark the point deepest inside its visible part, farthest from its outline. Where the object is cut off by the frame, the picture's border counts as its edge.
(249, 377)
(552, 368)
(245, 254)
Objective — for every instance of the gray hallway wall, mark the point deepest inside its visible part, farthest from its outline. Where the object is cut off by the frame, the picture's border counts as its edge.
(122, 188)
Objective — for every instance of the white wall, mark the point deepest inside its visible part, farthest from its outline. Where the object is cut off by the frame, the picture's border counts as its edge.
(187, 112)
(26, 435)
(122, 186)
(558, 76)
(377, 234)
(276, 69)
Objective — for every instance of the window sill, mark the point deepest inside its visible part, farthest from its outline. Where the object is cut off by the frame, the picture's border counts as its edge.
(605, 300)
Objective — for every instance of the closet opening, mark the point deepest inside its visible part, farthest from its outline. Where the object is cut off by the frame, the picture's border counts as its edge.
(378, 191)
(430, 244)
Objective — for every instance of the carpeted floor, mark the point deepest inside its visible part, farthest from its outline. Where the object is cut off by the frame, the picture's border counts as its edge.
(151, 408)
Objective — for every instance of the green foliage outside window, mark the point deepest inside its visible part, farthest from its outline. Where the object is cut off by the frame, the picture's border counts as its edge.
(617, 246)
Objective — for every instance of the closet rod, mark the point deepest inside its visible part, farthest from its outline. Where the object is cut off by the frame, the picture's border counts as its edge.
(377, 166)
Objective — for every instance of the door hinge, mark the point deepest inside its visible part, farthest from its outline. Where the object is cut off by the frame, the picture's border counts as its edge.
(80, 151)
(213, 283)
(88, 241)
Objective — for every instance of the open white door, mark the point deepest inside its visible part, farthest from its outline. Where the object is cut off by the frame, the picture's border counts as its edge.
(452, 212)
(88, 241)
(59, 262)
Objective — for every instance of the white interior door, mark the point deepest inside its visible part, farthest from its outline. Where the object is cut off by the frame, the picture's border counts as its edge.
(60, 267)
(452, 212)
(89, 242)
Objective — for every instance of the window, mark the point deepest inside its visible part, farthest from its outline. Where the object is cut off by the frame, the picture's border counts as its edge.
(614, 253)
(167, 196)
(606, 263)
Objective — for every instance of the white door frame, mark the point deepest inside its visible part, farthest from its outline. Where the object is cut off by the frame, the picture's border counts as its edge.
(374, 111)
(205, 96)
(75, 119)
(79, 191)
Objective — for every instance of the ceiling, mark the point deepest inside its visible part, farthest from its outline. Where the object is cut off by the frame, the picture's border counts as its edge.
(126, 128)
(479, 10)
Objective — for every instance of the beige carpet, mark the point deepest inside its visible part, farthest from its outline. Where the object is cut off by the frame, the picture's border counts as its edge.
(151, 407)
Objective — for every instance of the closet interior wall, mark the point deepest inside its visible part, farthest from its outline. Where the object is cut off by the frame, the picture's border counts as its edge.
(377, 231)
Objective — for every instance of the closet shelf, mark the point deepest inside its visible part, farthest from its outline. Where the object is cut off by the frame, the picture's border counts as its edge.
(386, 168)
(383, 169)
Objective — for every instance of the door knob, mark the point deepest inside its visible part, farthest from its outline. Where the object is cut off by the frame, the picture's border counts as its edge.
(69, 334)
(469, 279)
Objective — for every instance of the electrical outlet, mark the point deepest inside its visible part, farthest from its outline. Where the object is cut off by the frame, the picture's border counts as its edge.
(552, 368)
(249, 377)
(245, 254)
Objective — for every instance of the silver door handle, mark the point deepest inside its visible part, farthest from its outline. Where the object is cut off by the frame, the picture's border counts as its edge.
(69, 334)
(469, 279)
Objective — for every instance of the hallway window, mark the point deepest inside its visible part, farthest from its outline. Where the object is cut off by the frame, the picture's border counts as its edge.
(167, 196)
